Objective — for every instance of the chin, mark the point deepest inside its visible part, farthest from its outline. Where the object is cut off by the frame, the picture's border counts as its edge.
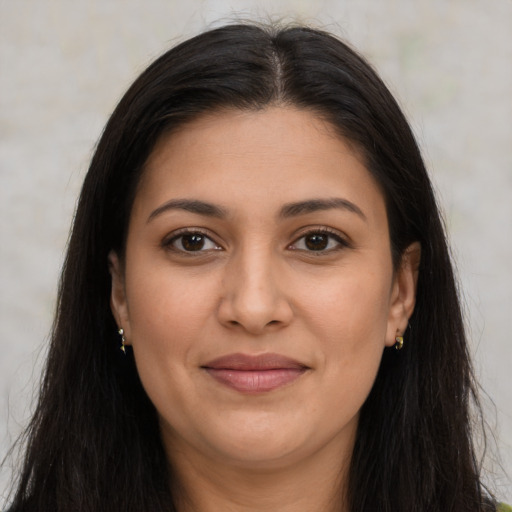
(261, 454)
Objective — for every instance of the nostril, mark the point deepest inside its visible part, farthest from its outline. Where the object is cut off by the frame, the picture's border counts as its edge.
(235, 323)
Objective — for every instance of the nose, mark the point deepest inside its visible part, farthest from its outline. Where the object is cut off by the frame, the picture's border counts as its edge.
(254, 295)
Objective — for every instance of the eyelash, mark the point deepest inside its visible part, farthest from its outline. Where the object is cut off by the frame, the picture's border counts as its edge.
(168, 243)
(331, 234)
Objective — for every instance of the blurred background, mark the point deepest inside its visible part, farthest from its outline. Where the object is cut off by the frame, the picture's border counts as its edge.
(64, 65)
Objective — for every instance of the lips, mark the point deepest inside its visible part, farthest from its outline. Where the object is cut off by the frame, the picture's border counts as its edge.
(255, 374)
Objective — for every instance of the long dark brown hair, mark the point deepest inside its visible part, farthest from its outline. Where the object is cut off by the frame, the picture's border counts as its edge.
(94, 444)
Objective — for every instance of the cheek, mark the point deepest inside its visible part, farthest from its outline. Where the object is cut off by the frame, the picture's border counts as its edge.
(168, 314)
(352, 308)
(168, 311)
(349, 319)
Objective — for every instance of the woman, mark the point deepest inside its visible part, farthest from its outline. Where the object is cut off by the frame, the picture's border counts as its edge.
(257, 309)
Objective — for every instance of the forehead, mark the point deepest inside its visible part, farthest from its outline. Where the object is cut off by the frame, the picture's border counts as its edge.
(263, 157)
(264, 133)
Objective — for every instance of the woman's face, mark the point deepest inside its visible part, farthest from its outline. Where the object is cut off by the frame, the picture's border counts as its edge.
(258, 291)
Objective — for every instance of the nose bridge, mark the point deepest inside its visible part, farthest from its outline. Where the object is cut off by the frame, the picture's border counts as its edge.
(254, 296)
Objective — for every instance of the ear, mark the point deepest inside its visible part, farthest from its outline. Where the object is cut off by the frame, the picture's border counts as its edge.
(403, 293)
(118, 303)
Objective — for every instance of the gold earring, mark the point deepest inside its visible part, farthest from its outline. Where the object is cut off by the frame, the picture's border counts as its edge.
(121, 333)
(399, 342)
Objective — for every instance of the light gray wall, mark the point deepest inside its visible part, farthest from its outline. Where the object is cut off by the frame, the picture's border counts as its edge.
(64, 64)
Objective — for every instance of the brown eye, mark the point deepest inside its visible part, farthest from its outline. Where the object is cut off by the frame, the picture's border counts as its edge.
(192, 242)
(319, 241)
(316, 241)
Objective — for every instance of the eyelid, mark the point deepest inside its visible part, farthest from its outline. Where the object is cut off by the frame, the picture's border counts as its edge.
(168, 240)
(341, 239)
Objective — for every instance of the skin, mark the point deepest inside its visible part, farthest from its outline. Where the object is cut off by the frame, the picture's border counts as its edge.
(256, 287)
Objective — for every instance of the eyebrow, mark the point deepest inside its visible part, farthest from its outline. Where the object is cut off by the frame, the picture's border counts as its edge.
(287, 211)
(190, 205)
(316, 205)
